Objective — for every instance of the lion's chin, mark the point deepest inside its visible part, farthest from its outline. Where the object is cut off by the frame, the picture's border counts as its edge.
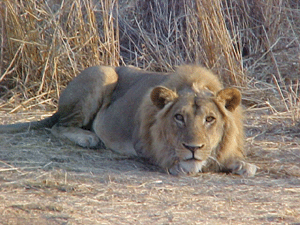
(188, 167)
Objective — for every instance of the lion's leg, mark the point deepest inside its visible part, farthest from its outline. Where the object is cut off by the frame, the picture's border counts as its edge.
(81, 137)
(84, 96)
(232, 165)
(233, 162)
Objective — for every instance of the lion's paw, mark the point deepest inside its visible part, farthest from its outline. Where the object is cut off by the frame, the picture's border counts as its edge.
(88, 141)
(242, 168)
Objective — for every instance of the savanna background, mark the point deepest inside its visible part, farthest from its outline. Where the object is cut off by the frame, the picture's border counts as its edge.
(253, 45)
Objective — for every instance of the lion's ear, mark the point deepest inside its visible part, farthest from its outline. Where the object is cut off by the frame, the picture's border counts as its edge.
(230, 97)
(160, 96)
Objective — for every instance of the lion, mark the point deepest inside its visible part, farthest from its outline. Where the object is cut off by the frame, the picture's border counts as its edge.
(185, 122)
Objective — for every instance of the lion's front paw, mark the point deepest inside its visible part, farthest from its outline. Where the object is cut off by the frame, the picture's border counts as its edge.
(189, 167)
(242, 168)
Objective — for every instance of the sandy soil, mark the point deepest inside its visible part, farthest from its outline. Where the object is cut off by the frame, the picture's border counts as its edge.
(47, 181)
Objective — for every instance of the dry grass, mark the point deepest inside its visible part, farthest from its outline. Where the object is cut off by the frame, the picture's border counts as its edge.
(250, 44)
(45, 44)
(168, 33)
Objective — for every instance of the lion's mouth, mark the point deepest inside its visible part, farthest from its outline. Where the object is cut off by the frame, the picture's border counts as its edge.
(193, 159)
(193, 156)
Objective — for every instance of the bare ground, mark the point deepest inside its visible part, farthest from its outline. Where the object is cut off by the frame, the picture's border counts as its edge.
(47, 181)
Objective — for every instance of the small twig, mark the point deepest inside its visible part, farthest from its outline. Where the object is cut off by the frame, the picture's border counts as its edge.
(12, 168)
(8, 169)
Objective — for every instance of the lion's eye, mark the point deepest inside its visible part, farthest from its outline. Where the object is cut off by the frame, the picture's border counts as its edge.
(210, 119)
(179, 118)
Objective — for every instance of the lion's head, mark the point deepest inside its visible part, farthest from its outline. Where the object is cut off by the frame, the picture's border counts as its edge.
(184, 124)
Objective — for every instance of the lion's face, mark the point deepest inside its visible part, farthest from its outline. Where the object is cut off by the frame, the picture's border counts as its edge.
(190, 125)
(196, 126)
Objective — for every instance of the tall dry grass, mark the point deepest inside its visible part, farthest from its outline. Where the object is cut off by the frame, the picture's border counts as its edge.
(46, 43)
(167, 33)
(251, 44)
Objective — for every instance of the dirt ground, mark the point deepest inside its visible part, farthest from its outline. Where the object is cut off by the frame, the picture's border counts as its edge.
(47, 181)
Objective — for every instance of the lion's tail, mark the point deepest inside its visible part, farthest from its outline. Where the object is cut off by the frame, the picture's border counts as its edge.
(21, 127)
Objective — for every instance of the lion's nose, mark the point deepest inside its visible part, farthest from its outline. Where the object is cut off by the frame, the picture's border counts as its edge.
(193, 148)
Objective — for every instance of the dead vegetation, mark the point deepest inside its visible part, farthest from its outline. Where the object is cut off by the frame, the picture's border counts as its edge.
(45, 44)
(251, 44)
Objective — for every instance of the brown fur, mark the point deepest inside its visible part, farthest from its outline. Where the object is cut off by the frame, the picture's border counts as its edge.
(185, 122)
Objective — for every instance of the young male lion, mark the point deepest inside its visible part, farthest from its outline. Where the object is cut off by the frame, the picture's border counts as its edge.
(185, 122)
